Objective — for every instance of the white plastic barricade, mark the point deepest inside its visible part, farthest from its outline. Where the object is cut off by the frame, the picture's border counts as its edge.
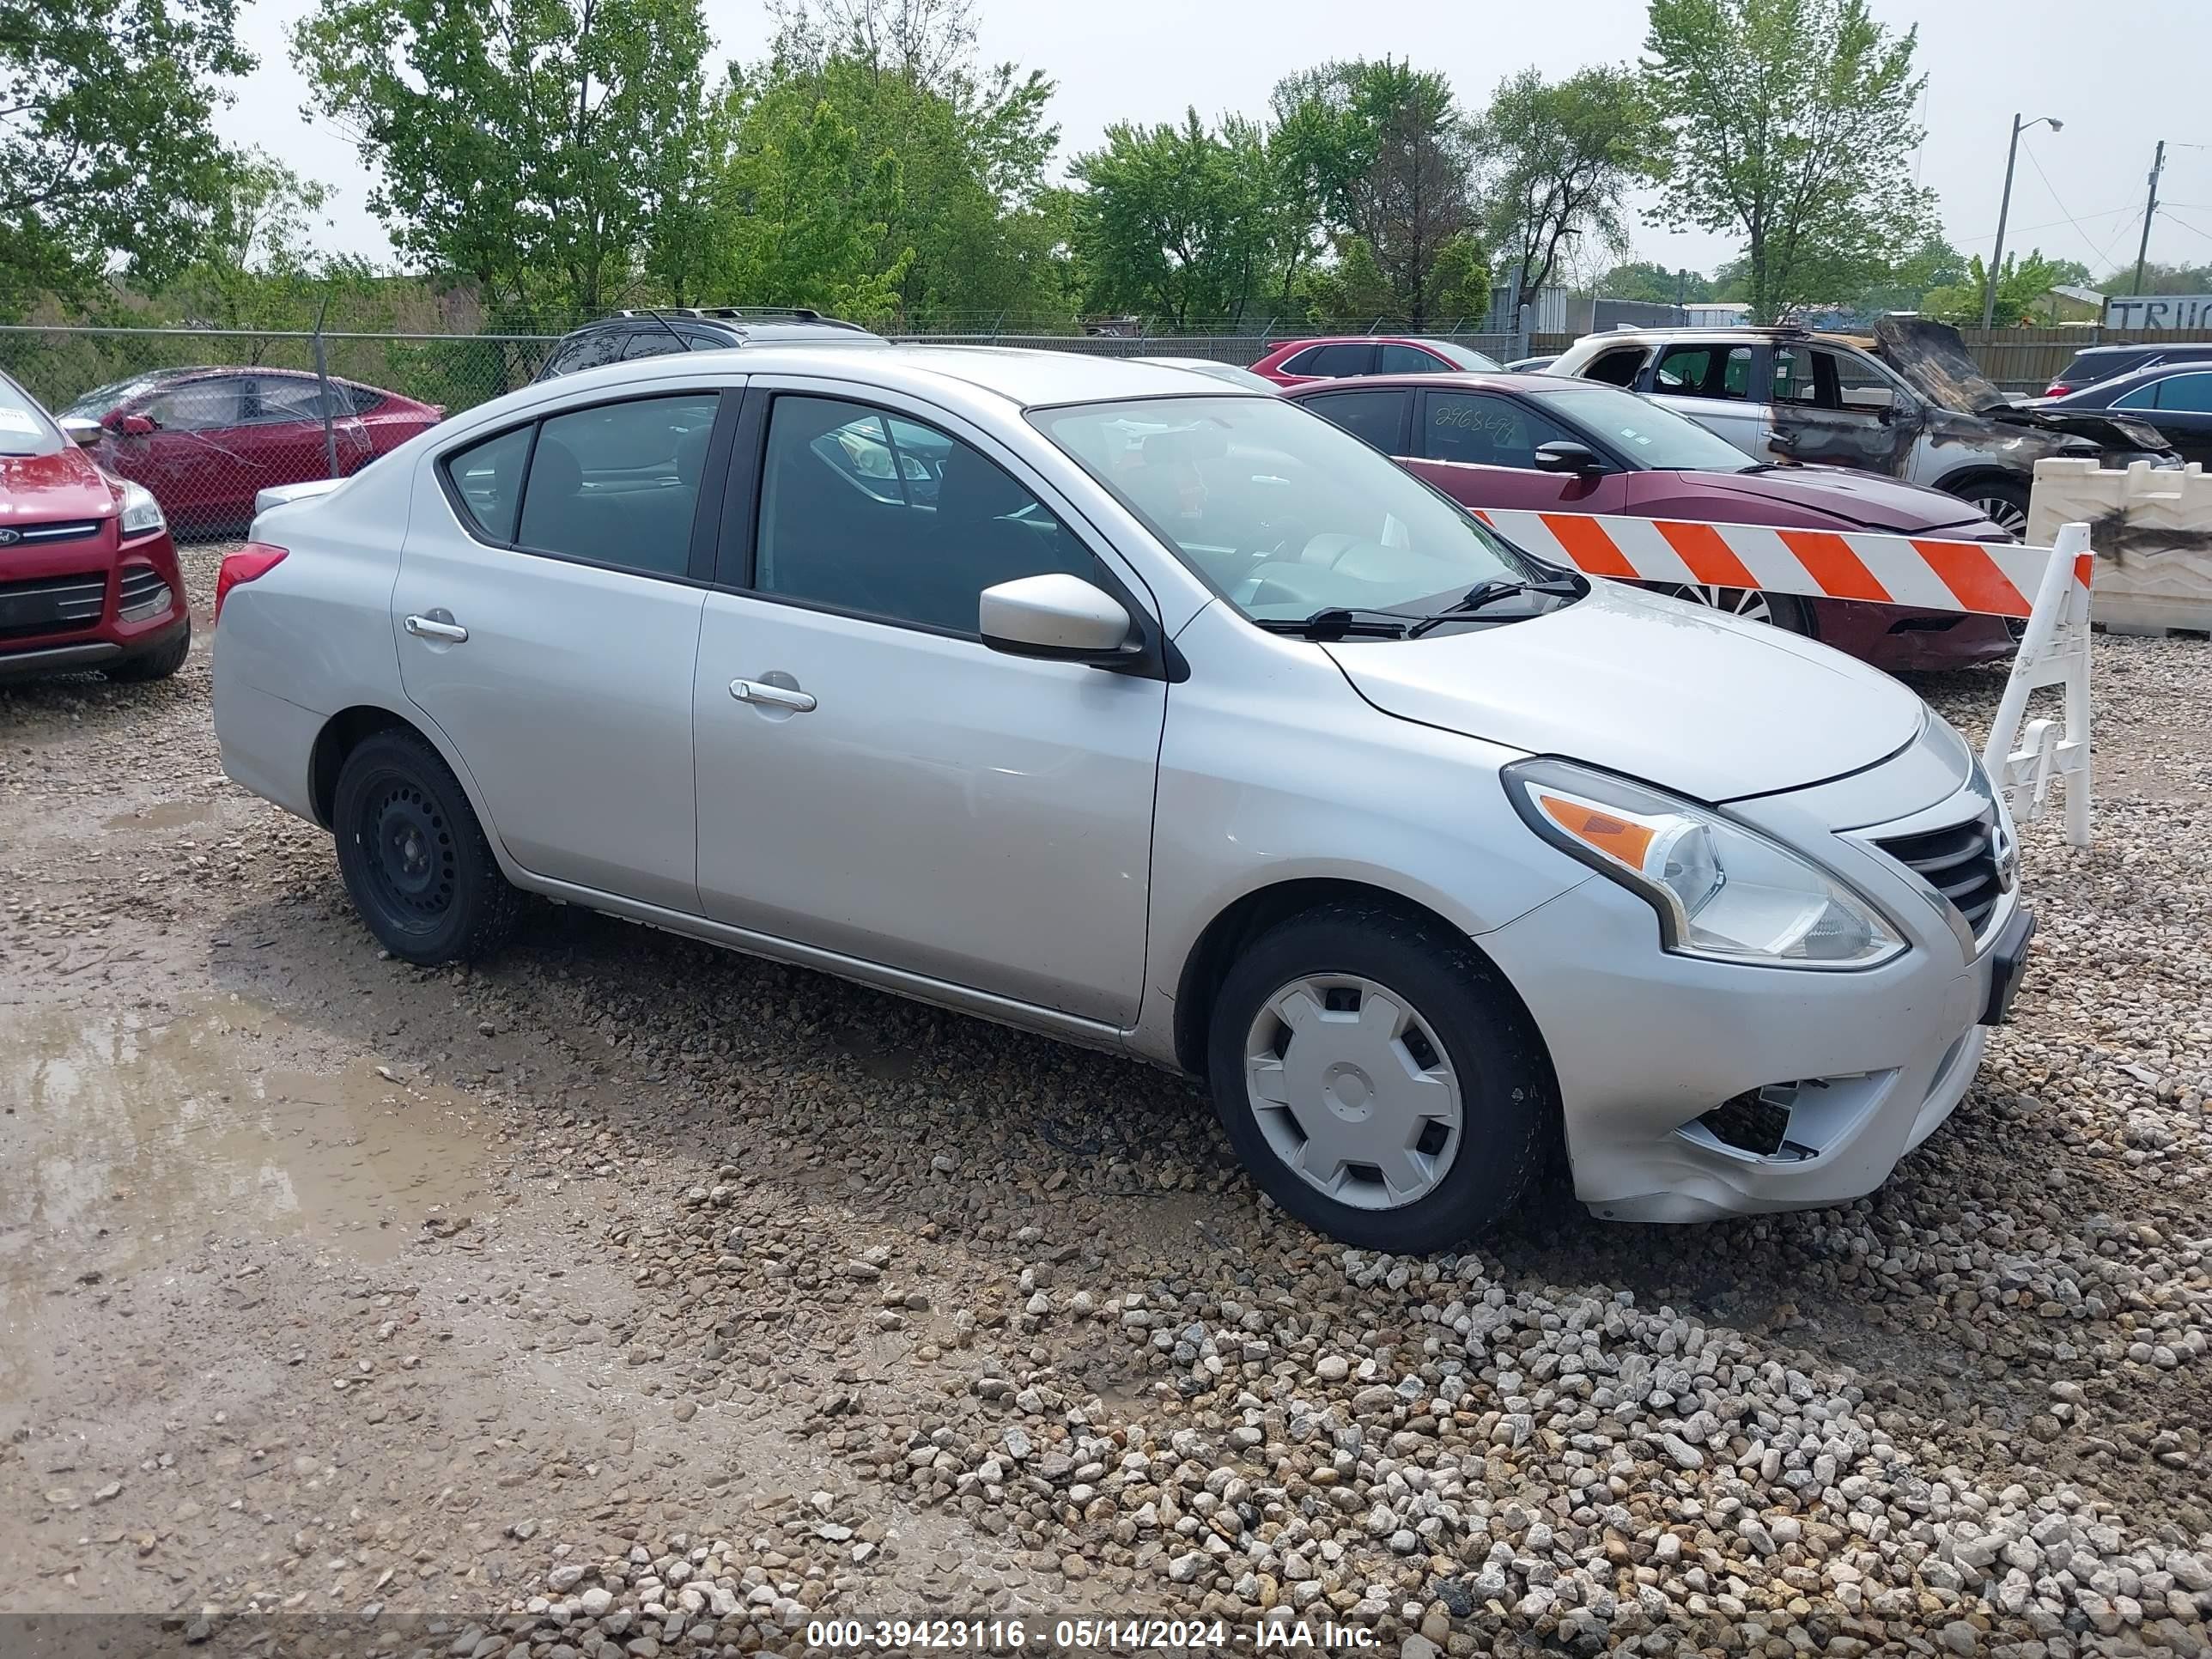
(2046, 588)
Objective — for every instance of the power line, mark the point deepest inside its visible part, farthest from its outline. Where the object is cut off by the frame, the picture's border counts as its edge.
(2165, 212)
(2103, 253)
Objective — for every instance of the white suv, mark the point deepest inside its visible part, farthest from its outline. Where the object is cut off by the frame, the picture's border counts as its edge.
(1114, 702)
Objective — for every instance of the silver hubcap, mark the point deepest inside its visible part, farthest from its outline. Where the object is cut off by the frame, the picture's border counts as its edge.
(1352, 1091)
(2007, 516)
(1748, 602)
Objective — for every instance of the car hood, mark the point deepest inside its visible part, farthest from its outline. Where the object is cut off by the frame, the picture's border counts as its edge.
(63, 485)
(1933, 359)
(1864, 501)
(1671, 692)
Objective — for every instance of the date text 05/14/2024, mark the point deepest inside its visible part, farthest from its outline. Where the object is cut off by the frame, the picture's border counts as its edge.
(1084, 1634)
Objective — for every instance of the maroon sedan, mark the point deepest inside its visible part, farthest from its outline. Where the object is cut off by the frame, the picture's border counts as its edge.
(205, 440)
(1295, 363)
(87, 574)
(1567, 445)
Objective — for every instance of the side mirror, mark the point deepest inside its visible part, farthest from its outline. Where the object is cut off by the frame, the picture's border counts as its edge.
(1059, 617)
(1562, 456)
(81, 432)
(138, 426)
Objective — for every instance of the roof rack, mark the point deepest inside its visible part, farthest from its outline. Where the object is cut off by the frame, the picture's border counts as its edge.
(743, 314)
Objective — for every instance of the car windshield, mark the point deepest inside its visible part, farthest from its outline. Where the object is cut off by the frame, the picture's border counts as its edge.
(1654, 438)
(1284, 513)
(1461, 357)
(24, 428)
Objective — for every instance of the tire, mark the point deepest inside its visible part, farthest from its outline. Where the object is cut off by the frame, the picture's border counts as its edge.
(2003, 502)
(1456, 1025)
(1786, 611)
(414, 858)
(157, 664)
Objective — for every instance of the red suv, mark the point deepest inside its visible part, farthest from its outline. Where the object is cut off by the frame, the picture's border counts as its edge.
(1296, 361)
(89, 576)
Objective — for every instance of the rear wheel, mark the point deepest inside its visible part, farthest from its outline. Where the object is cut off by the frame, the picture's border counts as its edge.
(414, 858)
(1784, 611)
(1377, 1079)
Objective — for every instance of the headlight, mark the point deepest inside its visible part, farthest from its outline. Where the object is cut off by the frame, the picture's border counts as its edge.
(141, 513)
(1723, 892)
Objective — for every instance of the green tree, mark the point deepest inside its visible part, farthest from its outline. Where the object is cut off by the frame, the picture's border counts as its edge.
(1791, 122)
(1654, 284)
(2020, 284)
(2160, 279)
(258, 266)
(522, 142)
(1564, 157)
(974, 147)
(1178, 221)
(1415, 196)
(106, 150)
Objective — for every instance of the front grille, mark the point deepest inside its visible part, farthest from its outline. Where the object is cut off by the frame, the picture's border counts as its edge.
(44, 534)
(51, 605)
(1959, 862)
(144, 593)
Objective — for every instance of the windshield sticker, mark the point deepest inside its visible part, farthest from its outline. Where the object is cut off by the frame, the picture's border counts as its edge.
(19, 420)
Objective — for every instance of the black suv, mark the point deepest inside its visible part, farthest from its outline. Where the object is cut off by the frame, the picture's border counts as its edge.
(655, 333)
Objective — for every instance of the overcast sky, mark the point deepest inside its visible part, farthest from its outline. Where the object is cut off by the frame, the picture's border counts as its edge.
(2120, 82)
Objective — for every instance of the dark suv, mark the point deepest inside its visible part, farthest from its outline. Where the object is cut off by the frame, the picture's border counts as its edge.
(2094, 365)
(655, 333)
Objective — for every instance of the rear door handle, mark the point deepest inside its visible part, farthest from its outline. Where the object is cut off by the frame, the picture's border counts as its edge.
(438, 625)
(774, 697)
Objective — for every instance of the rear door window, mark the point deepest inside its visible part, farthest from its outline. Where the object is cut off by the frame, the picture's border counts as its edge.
(1483, 429)
(618, 485)
(1394, 358)
(1333, 361)
(2187, 394)
(1704, 371)
(1378, 417)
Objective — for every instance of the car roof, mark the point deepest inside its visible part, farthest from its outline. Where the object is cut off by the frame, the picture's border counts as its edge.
(1466, 379)
(2149, 373)
(1027, 377)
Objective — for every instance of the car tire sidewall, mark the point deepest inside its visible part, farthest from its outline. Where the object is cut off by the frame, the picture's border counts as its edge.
(1506, 1091)
(385, 758)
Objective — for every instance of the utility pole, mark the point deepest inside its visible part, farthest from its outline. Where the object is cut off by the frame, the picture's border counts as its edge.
(2004, 208)
(2150, 207)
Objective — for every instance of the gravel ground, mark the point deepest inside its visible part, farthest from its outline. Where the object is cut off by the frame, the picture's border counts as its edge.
(625, 1297)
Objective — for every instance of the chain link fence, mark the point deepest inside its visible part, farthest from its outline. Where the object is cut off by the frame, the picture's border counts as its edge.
(206, 417)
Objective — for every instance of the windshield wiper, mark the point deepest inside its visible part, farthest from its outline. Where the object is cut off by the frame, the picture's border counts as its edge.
(1343, 622)
(1489, 590)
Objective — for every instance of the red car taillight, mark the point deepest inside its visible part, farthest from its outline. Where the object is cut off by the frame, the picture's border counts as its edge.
(251, 562)
(2056, 389)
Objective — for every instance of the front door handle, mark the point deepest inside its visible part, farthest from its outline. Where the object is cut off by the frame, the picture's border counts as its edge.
(774, 696)
(438, 625)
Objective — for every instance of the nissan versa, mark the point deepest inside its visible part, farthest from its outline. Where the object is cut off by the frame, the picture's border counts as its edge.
(1101, 699)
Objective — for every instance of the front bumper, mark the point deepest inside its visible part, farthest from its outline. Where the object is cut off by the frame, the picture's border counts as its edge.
(87, 602)
(1647, 1046)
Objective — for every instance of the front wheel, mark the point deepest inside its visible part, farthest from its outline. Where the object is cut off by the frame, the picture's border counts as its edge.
(414, 858)
(1378, 1080)
(1784, 611)
(2002, 502)
(155, 665)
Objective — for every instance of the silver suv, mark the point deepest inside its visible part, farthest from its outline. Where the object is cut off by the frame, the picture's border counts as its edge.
(1116, 702)
(1907, 400)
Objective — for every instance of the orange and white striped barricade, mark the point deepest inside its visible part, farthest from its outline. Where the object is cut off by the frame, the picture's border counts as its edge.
(2046, 588)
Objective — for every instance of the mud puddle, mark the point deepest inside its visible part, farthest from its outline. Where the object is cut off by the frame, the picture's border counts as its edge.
(168, 815)
(126, 1138)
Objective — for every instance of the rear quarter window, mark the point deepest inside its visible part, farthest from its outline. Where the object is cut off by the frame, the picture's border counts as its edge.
(486, 479)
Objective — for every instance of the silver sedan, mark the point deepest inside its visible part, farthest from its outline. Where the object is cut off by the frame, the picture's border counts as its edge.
(1087, 697)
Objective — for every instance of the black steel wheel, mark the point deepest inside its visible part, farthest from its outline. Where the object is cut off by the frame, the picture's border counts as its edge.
(415, 860)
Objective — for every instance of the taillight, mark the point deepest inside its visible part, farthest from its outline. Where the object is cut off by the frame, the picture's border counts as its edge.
(2056, 389)
(250, 563)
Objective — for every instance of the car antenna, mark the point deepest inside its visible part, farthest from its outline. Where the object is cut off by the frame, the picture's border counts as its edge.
(654, 311)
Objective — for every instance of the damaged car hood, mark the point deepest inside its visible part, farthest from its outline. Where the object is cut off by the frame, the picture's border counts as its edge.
(1679, 695)
(1932, 358)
